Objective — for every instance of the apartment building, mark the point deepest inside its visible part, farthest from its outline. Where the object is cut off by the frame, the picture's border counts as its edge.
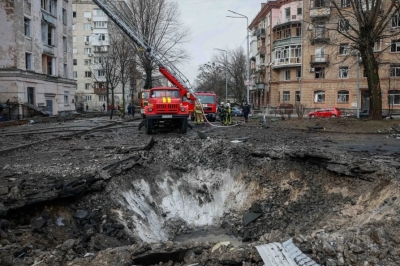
(36, 56)
(299, 57)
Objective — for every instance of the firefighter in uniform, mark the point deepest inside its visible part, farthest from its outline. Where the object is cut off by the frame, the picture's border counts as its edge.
(221, 112)
(228, 115)
(198, 110)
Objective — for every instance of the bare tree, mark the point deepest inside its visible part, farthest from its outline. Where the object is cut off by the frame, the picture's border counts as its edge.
(237, 74)
(364, 23)
(157, 23)
(211, 77)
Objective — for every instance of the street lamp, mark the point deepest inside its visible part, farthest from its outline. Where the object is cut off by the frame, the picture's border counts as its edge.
(248, 59)
(226, 73)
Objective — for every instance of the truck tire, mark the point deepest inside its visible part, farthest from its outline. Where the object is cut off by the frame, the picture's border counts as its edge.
(149, 126)
(184, 126)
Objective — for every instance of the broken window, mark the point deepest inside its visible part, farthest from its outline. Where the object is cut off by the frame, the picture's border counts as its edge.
(319, 96)
(343, 96)
(344, 49)
(319, 72)
(298, 96)
(343, 72)
(343, 25)
(49, 6)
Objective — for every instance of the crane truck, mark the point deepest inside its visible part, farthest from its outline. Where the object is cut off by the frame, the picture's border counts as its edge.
(166, 106)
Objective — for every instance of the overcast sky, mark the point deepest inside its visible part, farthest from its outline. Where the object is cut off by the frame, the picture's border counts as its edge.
(210, 28)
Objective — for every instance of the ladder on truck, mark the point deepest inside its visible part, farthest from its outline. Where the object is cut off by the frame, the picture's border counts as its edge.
(165, 66)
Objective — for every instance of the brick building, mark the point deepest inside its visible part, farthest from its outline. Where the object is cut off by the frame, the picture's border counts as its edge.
(299, 57)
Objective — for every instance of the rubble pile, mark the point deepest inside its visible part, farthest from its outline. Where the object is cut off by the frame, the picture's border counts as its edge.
(120, 197)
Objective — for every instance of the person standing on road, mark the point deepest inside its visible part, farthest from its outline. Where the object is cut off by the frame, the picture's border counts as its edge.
(246, 112)
(198, 113)
(129, 109)
(104, 107)
(87, 107)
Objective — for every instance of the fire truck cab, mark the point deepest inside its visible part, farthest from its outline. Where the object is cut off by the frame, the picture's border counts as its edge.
(208, 100)
(165, 109)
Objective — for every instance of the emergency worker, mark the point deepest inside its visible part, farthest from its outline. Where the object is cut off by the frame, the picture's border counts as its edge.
(221, 112)
(198, 113)
(228, 115)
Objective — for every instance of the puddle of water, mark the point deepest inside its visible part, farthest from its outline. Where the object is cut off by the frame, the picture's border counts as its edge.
(208, 235)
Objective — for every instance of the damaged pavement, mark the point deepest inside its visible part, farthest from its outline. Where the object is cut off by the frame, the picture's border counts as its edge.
(100, 192)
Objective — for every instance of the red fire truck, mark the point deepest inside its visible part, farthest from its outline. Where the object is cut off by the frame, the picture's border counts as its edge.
(166, 106)
(208, 100)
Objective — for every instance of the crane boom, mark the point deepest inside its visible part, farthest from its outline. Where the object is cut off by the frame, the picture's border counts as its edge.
(165, 66)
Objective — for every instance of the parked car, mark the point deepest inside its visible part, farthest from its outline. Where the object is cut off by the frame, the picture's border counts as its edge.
(326, 112)
(365, 114)
(237, 111)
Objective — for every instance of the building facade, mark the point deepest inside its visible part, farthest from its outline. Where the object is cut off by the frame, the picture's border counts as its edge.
(299, 57)
(36, 56)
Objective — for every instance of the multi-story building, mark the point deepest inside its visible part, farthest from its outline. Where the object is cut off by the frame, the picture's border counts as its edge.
(301, 58)
(36, 57)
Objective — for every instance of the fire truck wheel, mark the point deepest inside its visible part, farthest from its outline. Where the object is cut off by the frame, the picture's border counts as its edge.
(149, 126)
(184, 126)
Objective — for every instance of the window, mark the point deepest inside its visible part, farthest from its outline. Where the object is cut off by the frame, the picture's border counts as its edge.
(73, 38)
(88, 74)
(102, 98)
(99, 73)
(286, 96)
(88, 86)
(344, 3)
(343, 96)
(287, 14)
(394, 70)
(66, 97)
(343, 72)
(87, 38)
(395, 46)
(100, 85)
(73, 26)
(49, 61)
(98, 60)
(101, 37)
(394, 97)
(298, 98)
(27, 24)
(75, 74)
(319, 72)
(286, 75)
(298, 73)
(65, 45)
(75, 62)
(87, 26)
(47, 33)
(88, 62)
(28, 61)
(101, 48)
(378, 46)
(64, 16)
(98, 13)
(320, 3)
(49, 5)
(74, 14)
(88, 98)
(319, 55)
(396, 20)
(87, 14)
(75, 51)
(100, 24)
(88, 50)
(319, 96)
(31, 95)
(299, 11)
(343, 25)
(344, 49)
(65, 71)
(320, 30)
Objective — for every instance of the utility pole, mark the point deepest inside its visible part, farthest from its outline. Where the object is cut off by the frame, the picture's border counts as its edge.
(248, 59)
(358, 83)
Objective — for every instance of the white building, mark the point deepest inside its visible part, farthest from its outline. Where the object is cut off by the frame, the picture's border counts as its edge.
(36, 56)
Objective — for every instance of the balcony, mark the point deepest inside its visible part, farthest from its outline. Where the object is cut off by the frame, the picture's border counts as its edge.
(261, 50)
(320, 8)
(260, 85)
(319, 59)
(100, 90)
(319, 37)
(47, 49)
(286, 62)
(260, 33)
(287, 41)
